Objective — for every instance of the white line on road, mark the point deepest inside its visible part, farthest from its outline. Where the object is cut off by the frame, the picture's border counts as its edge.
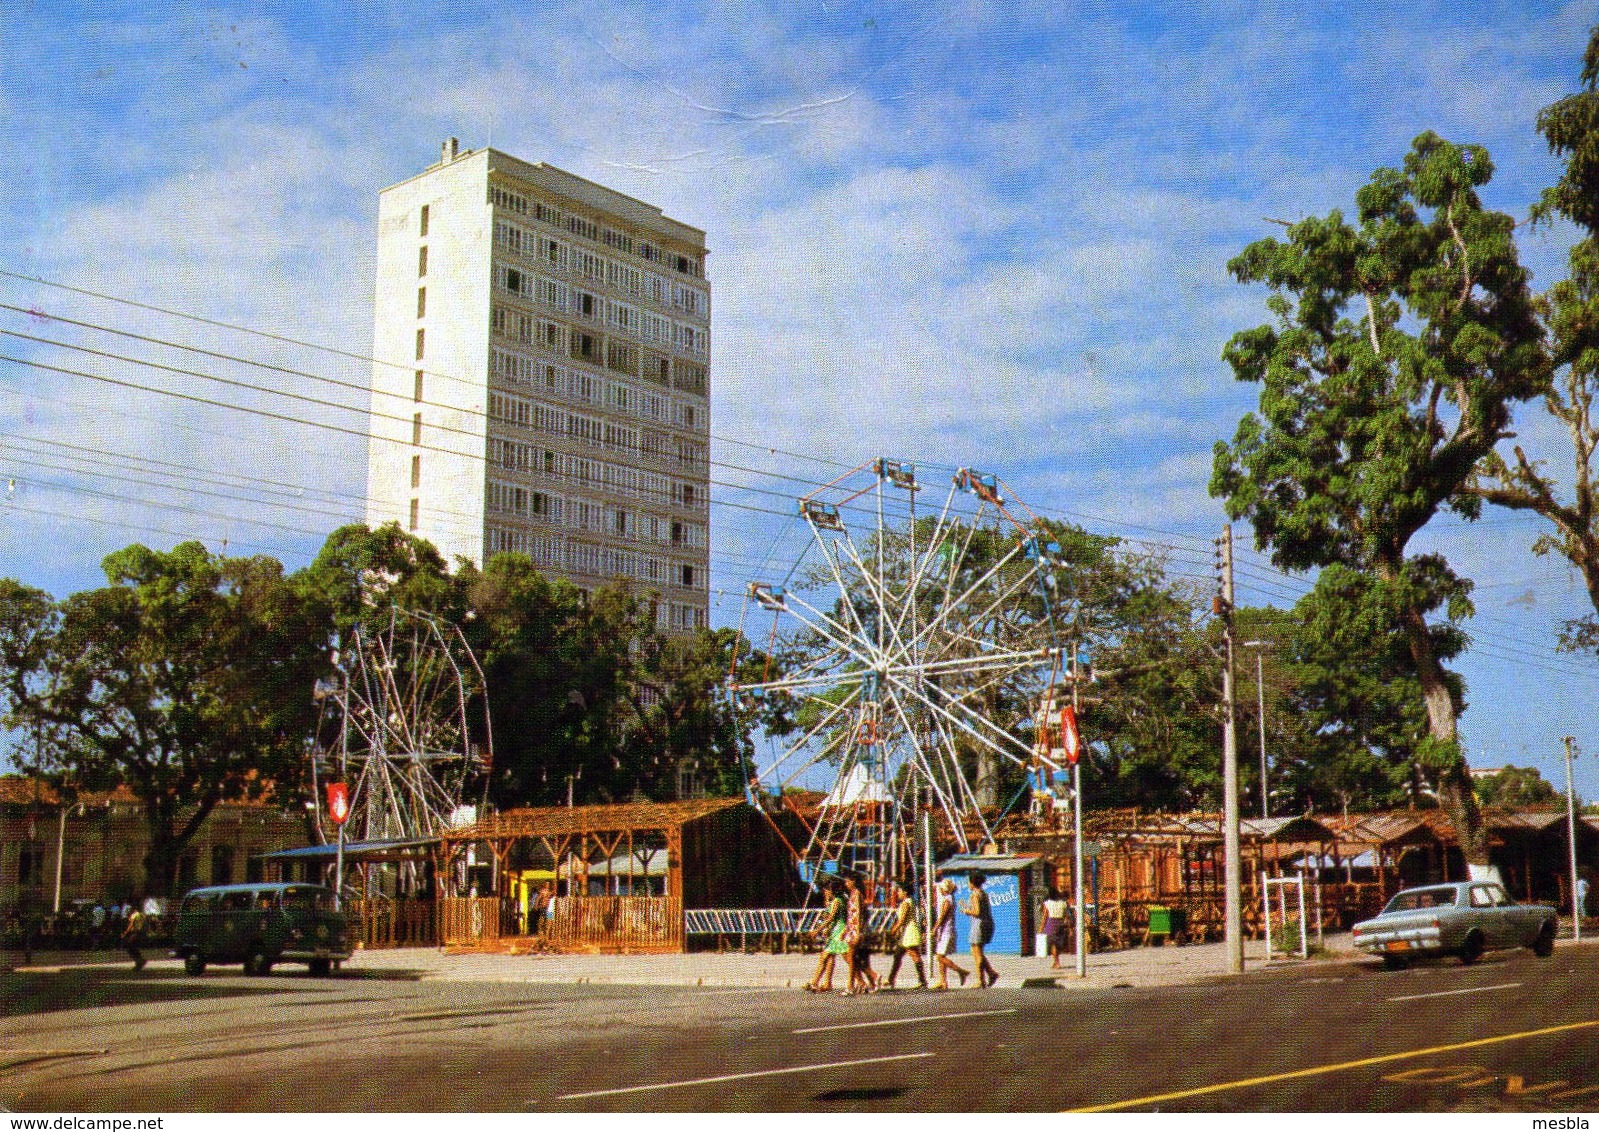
(902, 1021)
(1444, 993)
(742, 1076)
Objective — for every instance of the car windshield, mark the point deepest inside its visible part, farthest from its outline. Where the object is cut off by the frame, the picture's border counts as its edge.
(1419, 899)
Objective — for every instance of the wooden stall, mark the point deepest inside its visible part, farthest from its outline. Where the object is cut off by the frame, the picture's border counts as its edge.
(621, 875)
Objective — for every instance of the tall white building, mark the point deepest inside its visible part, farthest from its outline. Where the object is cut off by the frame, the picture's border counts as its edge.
(541, 382)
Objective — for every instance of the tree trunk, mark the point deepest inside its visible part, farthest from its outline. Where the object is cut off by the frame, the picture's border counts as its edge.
(1455, 794)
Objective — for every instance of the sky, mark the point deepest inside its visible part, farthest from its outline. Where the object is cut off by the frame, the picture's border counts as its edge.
(957, 233)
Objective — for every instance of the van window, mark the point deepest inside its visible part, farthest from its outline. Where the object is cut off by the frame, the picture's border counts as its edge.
(197, 902)
(307, 900)
(265, 901)
(234, 902)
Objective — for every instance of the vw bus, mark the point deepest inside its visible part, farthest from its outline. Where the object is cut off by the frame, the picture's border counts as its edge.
(259, 925)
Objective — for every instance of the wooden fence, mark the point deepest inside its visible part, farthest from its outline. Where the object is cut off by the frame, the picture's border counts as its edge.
(470, 920)
(621, 923)
(391, 923)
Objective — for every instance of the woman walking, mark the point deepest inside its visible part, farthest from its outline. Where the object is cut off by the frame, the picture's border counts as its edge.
(944, 935)
(982, 914)
(862, 980)
(1056, 911)
(831, 931)
(906, 934)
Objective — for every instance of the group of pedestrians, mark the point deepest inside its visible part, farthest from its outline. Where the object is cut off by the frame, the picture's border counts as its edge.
(844, 931)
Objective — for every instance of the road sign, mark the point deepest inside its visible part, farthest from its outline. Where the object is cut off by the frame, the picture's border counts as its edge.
(338, 802)
(1069, 738)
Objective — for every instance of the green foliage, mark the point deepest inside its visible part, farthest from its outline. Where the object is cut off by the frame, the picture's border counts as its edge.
(1398, 349)
(1515, 788)
(186, 678)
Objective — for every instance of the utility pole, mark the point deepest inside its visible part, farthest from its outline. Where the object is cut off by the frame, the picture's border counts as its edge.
(1571, 835)
(1078, 909)
(1260, 691)
(1233, 869)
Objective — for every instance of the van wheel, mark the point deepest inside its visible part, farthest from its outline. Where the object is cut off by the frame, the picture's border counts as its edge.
(256, 962)
(194, 963)
(320, 968)
(1544, 946)
(1471, 950)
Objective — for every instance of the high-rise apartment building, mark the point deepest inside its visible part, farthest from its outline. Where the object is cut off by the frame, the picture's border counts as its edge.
(541, 381)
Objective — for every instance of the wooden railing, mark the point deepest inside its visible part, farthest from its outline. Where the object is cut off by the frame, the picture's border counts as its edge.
(391, 923)
(620, 922)
(470, 920)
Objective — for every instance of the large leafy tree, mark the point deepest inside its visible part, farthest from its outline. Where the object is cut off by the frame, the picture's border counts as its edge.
(1399, 345)
(186, 678)
(1571, 309)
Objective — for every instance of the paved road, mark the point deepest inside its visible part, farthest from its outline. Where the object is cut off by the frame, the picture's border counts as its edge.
(1512, 1033)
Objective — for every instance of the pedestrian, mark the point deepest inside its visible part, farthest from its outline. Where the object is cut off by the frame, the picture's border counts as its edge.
(1057, 913)
(862, 980)
(133, 936)
(981, 911)
(906, 936)
(831, 932)
(1582, 897)
(944, 935)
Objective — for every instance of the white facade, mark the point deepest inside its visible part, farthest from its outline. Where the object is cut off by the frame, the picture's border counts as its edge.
(542, 377)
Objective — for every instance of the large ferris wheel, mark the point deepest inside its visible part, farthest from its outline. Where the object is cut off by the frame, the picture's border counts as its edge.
(919, 646)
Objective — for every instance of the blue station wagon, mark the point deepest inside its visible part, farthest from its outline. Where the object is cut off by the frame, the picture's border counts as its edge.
(259, 925)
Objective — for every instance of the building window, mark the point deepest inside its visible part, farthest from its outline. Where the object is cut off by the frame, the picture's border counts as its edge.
(421, 302)
(416, 471)
(424, 231)
(188, 870)
(422, 261)
(221, 864)
(419, 342)
(414, 509)
(30, 866)
(417, 395)
(688, 575)
(416, 429)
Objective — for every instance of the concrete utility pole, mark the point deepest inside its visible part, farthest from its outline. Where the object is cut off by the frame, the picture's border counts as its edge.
(1260, 691)
(1571, 835)
(1234, 870)
(1077, 829)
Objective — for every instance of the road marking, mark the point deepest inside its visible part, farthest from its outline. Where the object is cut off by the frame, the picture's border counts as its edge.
(742, 1076)
(1446, 993)
(902, 1021)
(1320, 1070)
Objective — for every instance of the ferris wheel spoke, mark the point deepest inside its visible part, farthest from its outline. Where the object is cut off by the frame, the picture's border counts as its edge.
(966, 727)
(961, 704)
(841, 641)
(982, 580)
(838, 578)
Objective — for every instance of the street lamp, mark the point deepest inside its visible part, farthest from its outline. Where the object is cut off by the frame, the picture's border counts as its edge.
(1260, 648)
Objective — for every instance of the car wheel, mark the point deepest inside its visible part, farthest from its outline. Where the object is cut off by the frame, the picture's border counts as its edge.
(1544, 946)
(1395, 962)
(256, 962)
(1471, 950)
(320, 968)
(194, 963)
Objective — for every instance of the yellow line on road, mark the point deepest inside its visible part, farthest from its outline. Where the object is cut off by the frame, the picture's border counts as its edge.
(1319, 1070)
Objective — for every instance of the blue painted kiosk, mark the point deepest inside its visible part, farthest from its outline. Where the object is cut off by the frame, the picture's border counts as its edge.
(1010, 881)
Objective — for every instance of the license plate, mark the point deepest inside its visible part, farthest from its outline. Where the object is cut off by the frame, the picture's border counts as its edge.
(1399, 945)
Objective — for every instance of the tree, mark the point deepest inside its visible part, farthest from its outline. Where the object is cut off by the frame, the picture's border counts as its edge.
(1399, 347)
(1571, 309)
(187, 678)
(1516, 788)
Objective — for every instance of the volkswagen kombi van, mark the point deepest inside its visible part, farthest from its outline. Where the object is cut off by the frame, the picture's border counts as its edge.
(259, 925)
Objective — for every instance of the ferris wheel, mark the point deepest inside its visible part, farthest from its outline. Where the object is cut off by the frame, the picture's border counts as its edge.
(916, 648)
(413, 729)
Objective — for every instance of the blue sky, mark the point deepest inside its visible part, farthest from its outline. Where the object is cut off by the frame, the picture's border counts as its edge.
(960, 233)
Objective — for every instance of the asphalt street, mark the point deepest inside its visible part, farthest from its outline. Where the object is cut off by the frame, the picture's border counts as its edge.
(1513, 1033)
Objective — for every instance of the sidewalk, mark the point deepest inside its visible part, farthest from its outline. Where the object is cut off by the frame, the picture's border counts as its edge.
(1135, 967)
